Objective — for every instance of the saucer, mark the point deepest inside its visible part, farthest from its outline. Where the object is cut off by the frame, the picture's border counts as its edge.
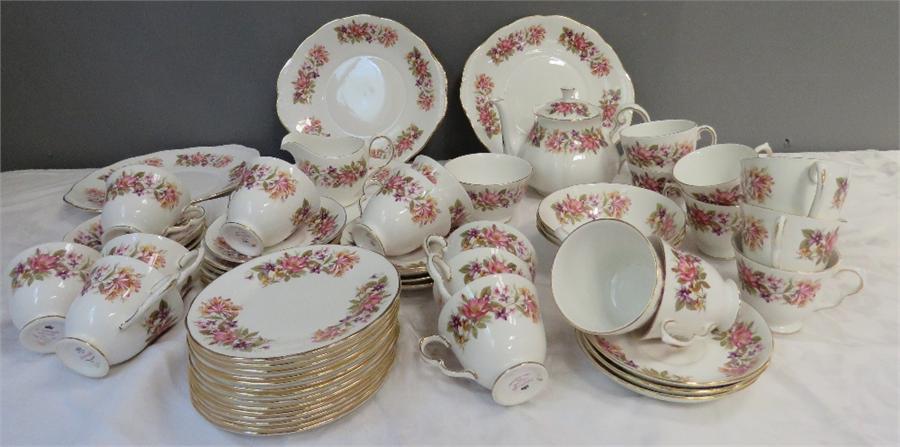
(409, 265)
(90, 233)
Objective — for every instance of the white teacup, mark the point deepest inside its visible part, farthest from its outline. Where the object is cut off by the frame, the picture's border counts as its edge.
(495, 183)
(483, 234)
(143, 199)
(713, 174)
(159, 252)
(43, 281)
(713, 226)
(273, 199)
(801, 186)
(400, 208)
(786, 241)
(494, 328)
(461, 210)
(786, 298)
(607, 278)
(695, 300)
(124, 306)
(658, 145)
(656, 181)
(467, 266)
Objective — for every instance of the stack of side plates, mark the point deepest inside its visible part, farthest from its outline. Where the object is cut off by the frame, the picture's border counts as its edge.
(293, 340)
(715, 366)
(411, 266)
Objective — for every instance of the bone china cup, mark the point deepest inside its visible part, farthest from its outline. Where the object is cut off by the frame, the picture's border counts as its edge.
(695, 298)
(142, 199)
(496, 183)
(656, 181)
(658, 145)
(713, 174)
(494, 328)
(606, 278)
(460, 204)
(483, 234)
(801, 186)
(44, 280)
(470, 265)
(786, 241)
(159, 252)
(713, 226)
(402, 207)
(786, 298)
(272, 201)
(125, 305)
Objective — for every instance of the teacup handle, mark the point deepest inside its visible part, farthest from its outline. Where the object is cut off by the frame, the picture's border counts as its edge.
(776, 241)
(763, 149)
(193, 209)
(859, 287)
(708, 130)
(672, 340)
(157, 292)
(672, 189)
(439, 363)
(390, 156)
(440, 273)
(435, 245)
(619, 121)
(193, 259)
(362, 198)
(817, 174)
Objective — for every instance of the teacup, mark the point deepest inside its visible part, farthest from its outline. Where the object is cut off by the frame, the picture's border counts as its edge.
(786, 298)
(461, 210)
(467, 266)
(606, 278)
(495, 183)
(158, 252)
(337, 165)
(143, 199)
(43, 281)
(713, 226)
(713, 174)
(801, 186)
(124, 306)
(657, 145)
(656, 181)
(494, 328)
(400, 207)
(786, 241)
(695, 299)
(483, 234)
(273, 199)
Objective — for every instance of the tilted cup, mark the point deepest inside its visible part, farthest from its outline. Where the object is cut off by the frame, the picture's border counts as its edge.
(484, 234)
(656, 181)
(495, 183)
(461, 210)
(159, 252)
(801, 186)
(142, 199)
(786, 298)
(787, 241)
(43, 281)
(713, 226)
(494, 328)
(695, 299)
(713, 174)
(470, 265)
(273, 199)
(657, 145)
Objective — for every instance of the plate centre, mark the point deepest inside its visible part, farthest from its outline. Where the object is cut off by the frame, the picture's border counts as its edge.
(365, 95)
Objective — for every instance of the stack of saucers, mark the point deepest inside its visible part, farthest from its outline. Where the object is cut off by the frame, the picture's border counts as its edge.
(90, 232)
(293, 340)
(325, 227)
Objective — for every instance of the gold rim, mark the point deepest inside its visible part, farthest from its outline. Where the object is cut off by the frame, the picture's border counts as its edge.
(548, 233)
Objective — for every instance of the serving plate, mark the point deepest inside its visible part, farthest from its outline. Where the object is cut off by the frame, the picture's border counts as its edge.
(364, 76)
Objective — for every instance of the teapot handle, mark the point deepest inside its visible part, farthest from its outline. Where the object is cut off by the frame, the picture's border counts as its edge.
(619, 121)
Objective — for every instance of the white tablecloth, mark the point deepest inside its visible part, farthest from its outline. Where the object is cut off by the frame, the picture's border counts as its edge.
(835, 382)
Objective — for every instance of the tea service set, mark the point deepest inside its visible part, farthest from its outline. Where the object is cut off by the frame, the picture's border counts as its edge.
(296, 324)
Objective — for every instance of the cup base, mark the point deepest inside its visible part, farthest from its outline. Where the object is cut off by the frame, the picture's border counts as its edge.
(520, 383)
(787, 328)
(242, 238)
(82, 357)
(41, 334)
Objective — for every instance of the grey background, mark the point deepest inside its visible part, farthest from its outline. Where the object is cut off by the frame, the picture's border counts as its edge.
(86, 84)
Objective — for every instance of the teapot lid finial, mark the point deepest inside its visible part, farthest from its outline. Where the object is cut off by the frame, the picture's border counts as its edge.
(568, 93)
(568, 108)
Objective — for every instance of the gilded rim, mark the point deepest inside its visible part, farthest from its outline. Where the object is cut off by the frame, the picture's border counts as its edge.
(548, 233)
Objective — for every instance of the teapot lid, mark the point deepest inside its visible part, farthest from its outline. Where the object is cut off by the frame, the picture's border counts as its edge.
(568, 108)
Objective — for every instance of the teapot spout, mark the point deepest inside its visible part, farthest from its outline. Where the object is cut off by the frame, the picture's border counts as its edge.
(507, 128)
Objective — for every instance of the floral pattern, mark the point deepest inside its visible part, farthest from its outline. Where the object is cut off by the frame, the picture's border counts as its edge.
(692, 285)
(566, 108)
(151, 161)
(367, 303)
(488, 266)
(818, 245)
(92, 237)
(44, 264)
(426, 170)
(728, 197)
(753, 233)
(301, 214)
(515, 42)
(96, 196)
(489, 200)
(297, 265)
(487, 114)
(335, 177)
(366, 32)
(613, 350)
(419, 68)
(229, 251)
(662, 223)
(219, 323)
(609, 103)
(423, 207)
(158, 321)
(491, 304)
(711, 221)
(458, 214)
(113, 282)
(305, 84)
(744, 347)
(313, 126)
(146, 253)
(840, 194)
(236, 174)
(558, 141)
(647, 181)
(323, 225)
(494, 237)
(572, 210)
(586, 50)
(203, 159)
(757, 184)
(772, 288)
(656, 155)
(405, 141)
(141, 183)
(278, 184)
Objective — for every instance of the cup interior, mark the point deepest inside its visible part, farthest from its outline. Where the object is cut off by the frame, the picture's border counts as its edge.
(489, 169)
(712, 165)
(658, 128)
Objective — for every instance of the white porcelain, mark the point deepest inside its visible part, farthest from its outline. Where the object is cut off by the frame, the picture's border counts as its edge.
(713, 226)
(526, 63)
(364, 76)
(484, 234)
(90, 232)
(695, 298)
(495, 183)
(124, 306)
(272, 201)
(402, 209)
(786, 241)
(567, 209)
(410, 264)
(338, 166)
(469, 265)
(606, 278)
(43, 282)
(461, 210)
(786, 298)
(658, 145)
(713, 174)
(653, 180)
(567, 144)
(494, 328)
(161, 253)
(802, 186)
(207, 173)
(143, 199)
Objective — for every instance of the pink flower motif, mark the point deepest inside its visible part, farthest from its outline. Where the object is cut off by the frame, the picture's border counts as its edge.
(753, 233)
(740, 335)
(757, 184)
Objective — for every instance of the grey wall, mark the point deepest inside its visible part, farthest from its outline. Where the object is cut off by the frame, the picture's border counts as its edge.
(86, 84)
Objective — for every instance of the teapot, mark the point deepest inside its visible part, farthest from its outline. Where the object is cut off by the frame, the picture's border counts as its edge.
(567, 144)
